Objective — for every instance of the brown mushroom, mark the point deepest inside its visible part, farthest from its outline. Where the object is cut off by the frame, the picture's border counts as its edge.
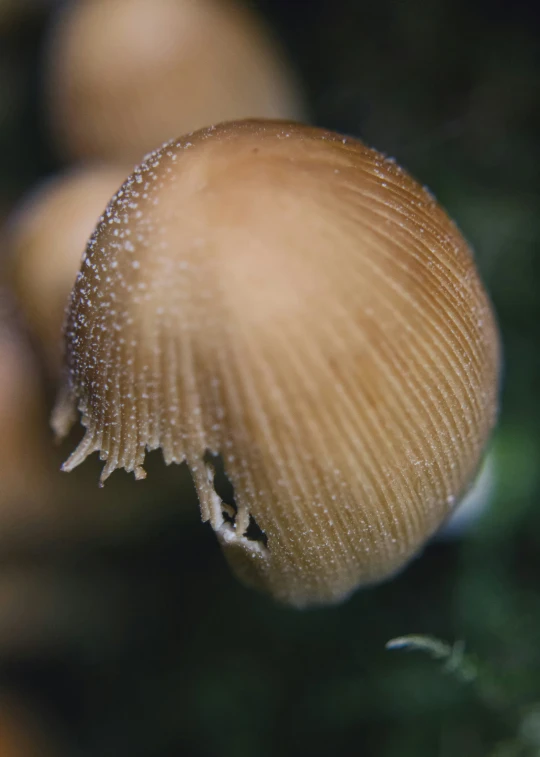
(294, 302)
(24, 451)
(126, 75)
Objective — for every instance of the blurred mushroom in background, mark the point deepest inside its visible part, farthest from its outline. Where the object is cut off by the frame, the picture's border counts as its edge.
(124, 76)
(46, 238)
(22, 733)
(24, 451)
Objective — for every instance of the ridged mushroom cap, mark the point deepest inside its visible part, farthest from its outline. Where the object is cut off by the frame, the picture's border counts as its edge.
(125, 75)
(293, 301)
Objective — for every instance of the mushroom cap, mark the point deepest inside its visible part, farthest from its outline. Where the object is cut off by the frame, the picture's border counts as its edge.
(126, 75)
(295, 302)
(46, 239)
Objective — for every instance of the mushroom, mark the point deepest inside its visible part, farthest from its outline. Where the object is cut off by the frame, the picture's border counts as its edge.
(125, 75)
(25, 455)
(291, 305)
(45, 240)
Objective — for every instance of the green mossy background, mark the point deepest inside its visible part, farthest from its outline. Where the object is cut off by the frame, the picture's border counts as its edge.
(152, 648)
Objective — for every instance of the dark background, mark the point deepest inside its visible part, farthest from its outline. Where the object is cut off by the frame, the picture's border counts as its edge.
(149, 646)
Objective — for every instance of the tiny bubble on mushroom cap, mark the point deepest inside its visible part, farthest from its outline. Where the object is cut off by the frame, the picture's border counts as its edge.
(304, 309)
